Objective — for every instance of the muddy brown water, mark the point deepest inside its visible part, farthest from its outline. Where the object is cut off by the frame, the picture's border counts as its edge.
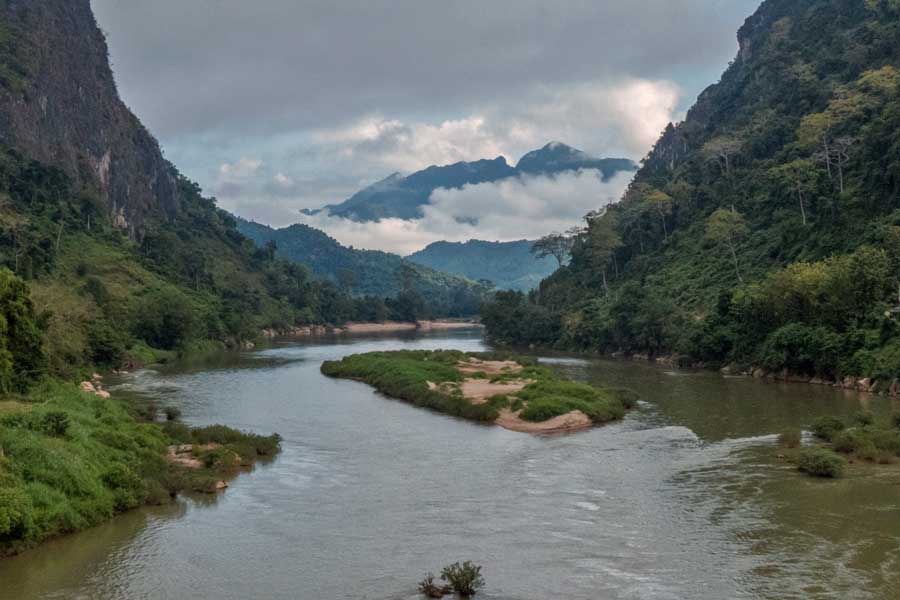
(683, 499)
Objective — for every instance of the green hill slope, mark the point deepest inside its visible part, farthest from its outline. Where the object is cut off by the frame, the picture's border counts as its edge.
(508, 265)
(369, 272)
(763, 230)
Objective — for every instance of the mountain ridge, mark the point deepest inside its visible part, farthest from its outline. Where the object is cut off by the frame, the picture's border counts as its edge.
(402, 197)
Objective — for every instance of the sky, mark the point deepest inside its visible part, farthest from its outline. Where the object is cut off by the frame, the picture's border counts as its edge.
(277, 105)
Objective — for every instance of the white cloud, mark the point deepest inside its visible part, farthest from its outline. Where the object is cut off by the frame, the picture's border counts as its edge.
(511, 209)
(619, 118)
(244, 168)
(282, 180)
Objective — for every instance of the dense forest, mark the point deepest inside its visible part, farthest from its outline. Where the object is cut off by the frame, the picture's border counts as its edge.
(383, 277)
(763, 230)
(506, 265)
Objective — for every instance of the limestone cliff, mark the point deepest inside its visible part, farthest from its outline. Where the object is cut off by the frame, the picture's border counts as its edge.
(59, 105)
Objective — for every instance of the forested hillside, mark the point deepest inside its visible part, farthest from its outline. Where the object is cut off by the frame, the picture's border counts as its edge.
(764, 229)
(360, 273)
(507, 265)
(124, 258)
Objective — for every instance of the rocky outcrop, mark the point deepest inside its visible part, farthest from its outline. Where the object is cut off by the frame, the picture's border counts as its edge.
(60, 106)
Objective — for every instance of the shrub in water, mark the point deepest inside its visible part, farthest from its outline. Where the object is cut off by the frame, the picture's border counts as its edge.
(465, 578)
(821, 462)
(863, 418)
(430, 589)
(851, 440)
(173, 413)
(826, 427)
(789, 438)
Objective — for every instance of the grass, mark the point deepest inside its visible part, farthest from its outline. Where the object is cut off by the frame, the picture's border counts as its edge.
(869, 440)
(406, 375)
(73, 460)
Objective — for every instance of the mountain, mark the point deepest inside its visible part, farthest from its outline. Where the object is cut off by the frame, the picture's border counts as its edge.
(123, 259)
(59, 106)
(367, 272)
(509, 265)
(557, 157)
(763, 230)
(403, 197)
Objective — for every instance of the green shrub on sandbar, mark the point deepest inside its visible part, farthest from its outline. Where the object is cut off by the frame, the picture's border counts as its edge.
(821, 462)
(826, 427)
(548, 399)
(407, 375)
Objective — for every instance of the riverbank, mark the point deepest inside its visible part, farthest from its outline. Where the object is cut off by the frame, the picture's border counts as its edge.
(367, 328)
(72, 457)
(512, 392)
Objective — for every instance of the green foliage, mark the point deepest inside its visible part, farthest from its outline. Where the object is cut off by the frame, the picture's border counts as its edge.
(76, 459)
(465, 579)
(506, 265)
(378, 287)
(550, 398)
(430, 589)
(820, 462)
(763, 229)
(22, 358)
(413, 375)
(71, 462)
(826, 427)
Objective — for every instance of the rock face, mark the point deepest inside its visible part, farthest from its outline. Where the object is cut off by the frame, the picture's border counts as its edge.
(59, 104)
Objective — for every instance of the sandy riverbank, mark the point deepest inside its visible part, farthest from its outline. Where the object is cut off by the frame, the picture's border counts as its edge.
(479, 390)
(364, 328)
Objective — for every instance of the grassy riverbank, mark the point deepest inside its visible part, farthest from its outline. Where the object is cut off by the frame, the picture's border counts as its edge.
(487, 387)
(70, 460)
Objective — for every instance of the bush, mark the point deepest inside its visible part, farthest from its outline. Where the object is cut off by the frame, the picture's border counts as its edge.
(465, 578)
(863, 418)
(851, 440)
(820, 462)
(430, 589)
(789, 438)
(173, 413)
(826, 427)
(55, 423)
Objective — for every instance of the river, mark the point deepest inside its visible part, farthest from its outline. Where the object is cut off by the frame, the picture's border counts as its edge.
(684, 499)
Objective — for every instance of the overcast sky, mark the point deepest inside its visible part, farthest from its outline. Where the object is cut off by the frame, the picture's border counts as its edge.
(277, 105)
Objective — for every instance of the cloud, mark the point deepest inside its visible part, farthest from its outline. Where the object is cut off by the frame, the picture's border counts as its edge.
(243, 169)
(510, 209)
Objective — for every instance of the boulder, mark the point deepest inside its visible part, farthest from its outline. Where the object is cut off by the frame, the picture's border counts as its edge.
(87, 386)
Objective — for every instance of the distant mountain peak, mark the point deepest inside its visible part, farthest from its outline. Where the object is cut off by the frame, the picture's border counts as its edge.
(402, 197)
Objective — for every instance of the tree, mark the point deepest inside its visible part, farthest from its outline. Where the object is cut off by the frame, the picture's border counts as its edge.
(662, 204)
(603, 240)
(22, 358)
(557, 245)
(729, 228)
(348, 279)
(799, 175)
(722, 150)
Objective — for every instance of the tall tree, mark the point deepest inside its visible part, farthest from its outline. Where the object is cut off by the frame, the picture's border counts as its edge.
(728, 228)
(603, 240)
(557, 245)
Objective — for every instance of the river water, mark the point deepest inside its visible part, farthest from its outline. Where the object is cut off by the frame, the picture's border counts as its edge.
(684, 499)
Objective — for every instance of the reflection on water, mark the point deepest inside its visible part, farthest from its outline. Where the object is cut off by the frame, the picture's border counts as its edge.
(684, 499)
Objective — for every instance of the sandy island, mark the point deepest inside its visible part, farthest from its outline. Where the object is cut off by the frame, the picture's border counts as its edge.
(478, 390)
